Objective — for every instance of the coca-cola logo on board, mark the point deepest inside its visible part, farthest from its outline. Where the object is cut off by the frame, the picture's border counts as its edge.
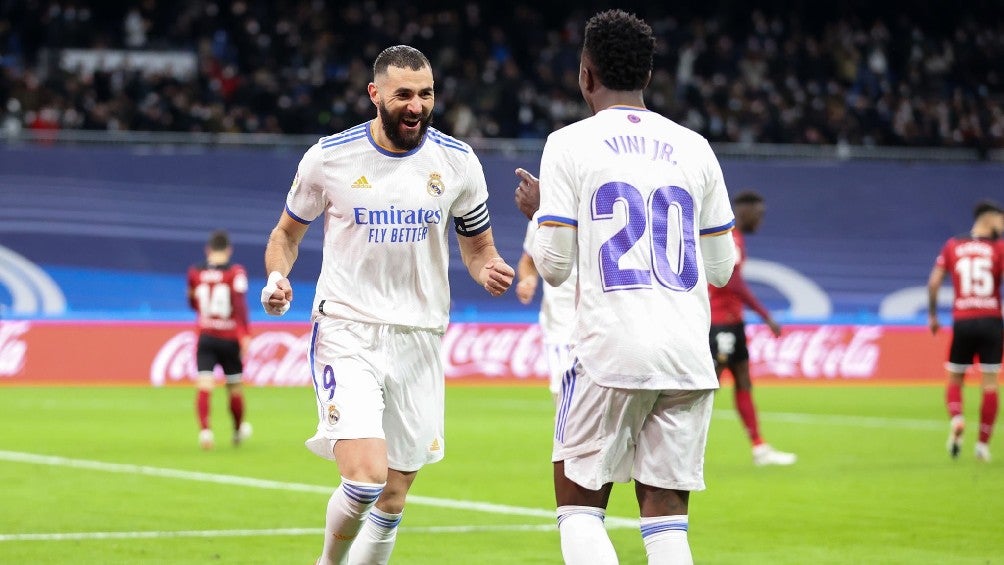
(831, 352)
(12, 348)
(273, 358)
(487, 350)
(280, 358)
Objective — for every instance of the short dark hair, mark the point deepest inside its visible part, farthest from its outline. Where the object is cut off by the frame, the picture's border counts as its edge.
(747, 197)
(219, 240)
(401, 56)
(621, 46)
(984, 206)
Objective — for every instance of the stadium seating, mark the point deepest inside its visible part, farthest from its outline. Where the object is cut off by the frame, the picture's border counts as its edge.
(865, 75)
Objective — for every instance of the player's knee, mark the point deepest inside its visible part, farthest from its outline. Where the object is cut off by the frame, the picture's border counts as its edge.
(204, 381)
(392, 499)
(364, 470)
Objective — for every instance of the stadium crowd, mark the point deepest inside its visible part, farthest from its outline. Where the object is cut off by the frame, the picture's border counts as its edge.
(507, 69)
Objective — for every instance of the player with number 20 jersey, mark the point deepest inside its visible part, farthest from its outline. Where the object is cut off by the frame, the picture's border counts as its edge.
(641, 189)
(627, 196)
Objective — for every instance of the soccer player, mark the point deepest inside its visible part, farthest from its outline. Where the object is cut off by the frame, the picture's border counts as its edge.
(217, 291)
(639, 203)
(728, 329)
(557, 306)
(387, 190)
(976, 261)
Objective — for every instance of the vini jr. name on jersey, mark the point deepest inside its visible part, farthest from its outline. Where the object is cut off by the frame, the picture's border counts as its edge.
(652, 148)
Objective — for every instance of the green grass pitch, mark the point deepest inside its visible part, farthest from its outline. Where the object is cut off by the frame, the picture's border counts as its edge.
(114, 475)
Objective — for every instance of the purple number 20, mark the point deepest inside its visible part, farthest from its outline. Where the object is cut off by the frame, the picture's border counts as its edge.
(670, 210)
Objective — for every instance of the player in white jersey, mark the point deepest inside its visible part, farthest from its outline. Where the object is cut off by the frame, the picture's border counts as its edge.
(639, 204)
(387, 190)
(557, 307)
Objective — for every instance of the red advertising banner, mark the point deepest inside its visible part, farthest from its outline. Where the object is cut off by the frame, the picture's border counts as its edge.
(163, 353)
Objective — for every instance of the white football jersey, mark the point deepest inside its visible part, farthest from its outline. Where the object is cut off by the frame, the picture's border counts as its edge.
(641, 190)
(557, 306)
(386, 217)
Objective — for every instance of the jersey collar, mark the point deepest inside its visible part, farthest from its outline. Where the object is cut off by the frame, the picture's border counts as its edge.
(388, 152)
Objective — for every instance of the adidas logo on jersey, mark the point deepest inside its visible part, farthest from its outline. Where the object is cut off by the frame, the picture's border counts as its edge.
(361, 182)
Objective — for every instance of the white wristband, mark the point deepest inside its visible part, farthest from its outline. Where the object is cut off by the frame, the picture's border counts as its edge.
(270, 286)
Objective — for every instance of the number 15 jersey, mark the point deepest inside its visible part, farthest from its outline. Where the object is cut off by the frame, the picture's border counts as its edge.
(641, 189)
(976, 266)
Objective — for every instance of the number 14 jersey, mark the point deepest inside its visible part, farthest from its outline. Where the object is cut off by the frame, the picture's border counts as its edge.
(641, 190)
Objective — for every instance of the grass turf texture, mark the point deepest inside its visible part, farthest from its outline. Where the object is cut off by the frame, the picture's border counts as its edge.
(873, 483)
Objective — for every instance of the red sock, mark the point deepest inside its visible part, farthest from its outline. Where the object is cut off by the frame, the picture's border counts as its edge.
(988, 414)
(744, 405)
(237, 408)
(202, 408)
(953, 399)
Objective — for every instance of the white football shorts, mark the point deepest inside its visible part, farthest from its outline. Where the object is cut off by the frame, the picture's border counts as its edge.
(612, 435)
(559, 360)
(378, 381)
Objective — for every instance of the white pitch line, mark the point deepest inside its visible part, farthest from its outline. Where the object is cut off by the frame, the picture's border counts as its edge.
(487, 507)
(270, 532)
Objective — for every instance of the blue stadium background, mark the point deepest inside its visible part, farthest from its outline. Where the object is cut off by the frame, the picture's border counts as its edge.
(115, 227)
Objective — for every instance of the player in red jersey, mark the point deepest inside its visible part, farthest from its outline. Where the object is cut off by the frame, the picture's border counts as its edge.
(976, 261)
(728, 330)
(217, 291)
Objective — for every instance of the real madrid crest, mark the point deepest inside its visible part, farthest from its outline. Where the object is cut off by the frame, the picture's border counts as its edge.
(435, 185)
(333, 415)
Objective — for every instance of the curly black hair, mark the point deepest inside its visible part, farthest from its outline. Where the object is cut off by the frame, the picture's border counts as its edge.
(984, 206)
(218, 240)
(401, 56)
(747, 197)
(621, 46)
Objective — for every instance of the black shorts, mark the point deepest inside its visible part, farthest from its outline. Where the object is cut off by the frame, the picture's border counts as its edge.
(728, 344)
(213, 351)
(976, 337)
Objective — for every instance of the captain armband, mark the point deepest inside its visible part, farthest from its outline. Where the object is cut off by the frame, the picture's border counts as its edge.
(474, 222)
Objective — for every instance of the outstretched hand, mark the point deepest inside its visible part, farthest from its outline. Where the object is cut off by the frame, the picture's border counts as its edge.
(496, 276)
(527, 193)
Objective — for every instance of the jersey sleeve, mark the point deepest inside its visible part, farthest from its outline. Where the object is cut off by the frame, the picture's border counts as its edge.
(474, 191)
(716, 212)
(559, 199)
(531, 229)
(305, 200)
(470, 209)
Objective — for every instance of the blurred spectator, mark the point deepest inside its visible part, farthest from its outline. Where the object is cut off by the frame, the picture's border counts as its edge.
(861, 76)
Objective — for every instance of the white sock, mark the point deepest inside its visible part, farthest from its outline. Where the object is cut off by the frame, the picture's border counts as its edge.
(584, 540)
(347, 509)
(665, 540)
(376, 539)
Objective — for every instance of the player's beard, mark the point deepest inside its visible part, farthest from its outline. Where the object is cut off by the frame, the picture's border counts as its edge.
(402, 140)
